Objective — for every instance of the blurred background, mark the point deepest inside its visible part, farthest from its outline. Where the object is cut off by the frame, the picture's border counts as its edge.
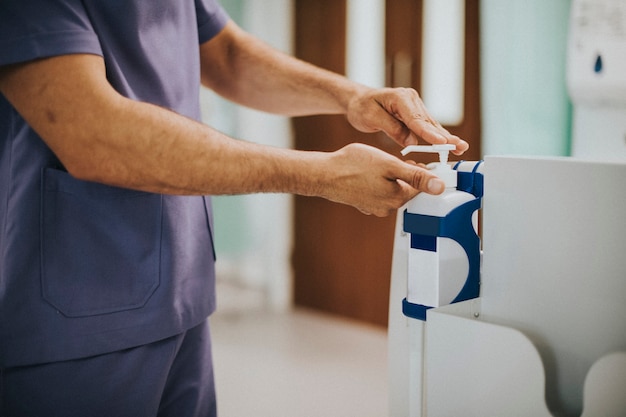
(303, 284)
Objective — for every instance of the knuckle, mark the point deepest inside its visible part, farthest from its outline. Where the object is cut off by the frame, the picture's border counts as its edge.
(398, 130)
(412, 93)
(420, 179)
(409, 91)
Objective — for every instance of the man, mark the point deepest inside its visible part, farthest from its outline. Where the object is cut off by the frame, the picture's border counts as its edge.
(106, 275)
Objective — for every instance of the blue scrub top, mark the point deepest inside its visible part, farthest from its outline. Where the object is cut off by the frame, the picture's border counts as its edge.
(86, 268)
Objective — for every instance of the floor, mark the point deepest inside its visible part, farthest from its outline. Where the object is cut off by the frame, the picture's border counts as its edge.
(296, 364)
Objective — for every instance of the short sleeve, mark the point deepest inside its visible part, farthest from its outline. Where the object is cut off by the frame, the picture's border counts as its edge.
(31, 29)
(211, 19)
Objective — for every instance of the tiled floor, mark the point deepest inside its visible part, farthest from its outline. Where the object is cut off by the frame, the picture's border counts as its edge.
(297, 364)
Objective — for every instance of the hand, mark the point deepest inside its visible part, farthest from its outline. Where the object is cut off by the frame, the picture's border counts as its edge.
(401, 114)
(374, 181)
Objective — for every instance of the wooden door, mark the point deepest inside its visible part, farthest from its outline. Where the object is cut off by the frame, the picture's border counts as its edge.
(342, 258)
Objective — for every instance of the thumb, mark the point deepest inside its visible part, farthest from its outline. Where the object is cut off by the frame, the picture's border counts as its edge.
(422, 179)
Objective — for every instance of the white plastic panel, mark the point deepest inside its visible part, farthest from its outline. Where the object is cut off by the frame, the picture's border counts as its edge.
(480, 369)
(403, 394)
(605, 385)
(476, 368)
(554, 240)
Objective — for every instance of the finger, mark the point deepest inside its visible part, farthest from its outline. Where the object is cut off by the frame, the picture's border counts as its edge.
(391, 125)
(415, 163)
(429, 129)
(461, 145)
(395, 109)
(421, 179)
(405, 135)
(413, 113)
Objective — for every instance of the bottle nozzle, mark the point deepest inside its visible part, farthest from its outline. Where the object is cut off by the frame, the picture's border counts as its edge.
(443, 170)
(442, 150)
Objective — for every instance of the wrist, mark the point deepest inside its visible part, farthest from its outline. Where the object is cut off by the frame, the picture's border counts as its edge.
(354, 95)
(313, 173)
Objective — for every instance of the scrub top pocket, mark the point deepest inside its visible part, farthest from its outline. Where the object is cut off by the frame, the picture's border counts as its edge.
(100, 245)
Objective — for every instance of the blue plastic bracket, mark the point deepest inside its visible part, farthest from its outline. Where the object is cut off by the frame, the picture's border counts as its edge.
(456, 225)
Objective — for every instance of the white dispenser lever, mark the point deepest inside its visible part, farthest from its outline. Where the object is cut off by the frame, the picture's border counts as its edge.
(442, 170)
(441, 149)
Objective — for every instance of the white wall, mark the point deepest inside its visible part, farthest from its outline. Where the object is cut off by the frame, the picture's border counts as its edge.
(525, 107)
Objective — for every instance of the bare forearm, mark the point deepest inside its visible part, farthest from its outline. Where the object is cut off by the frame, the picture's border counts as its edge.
(156, 150)
(101, 136)
(244, 69)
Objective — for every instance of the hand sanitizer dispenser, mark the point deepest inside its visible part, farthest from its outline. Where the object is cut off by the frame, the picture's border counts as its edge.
(444, 252)
(596, 80)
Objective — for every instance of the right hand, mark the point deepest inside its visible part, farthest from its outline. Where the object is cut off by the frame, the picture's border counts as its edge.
(374, 181)
(402, 115)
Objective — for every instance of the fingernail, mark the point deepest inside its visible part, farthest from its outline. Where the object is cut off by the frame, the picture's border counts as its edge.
(435, 186)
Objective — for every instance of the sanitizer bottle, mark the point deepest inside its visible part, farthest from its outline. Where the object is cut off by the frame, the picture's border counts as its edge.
(444, 253)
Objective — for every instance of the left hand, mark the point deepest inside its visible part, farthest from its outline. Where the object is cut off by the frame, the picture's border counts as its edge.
(401, 114)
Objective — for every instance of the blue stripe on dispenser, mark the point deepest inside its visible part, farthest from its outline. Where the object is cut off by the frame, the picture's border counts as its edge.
(424, 242)
(471, 182)
(414, 311)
